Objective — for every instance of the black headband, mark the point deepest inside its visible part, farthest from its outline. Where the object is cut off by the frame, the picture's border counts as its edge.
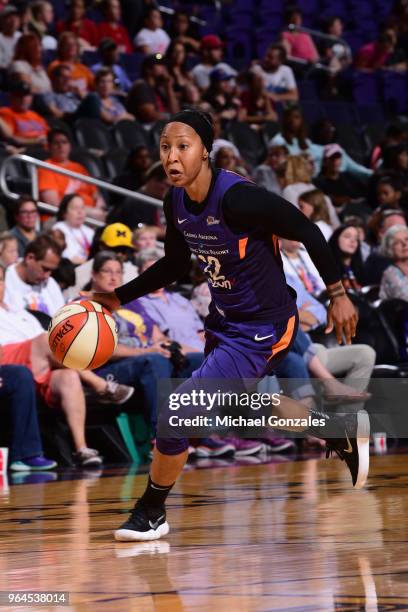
(199, 123)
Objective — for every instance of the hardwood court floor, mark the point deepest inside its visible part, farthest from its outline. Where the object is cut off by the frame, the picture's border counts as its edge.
(288, 536)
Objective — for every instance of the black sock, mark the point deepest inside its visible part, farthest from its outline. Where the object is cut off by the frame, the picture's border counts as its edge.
(155, 495)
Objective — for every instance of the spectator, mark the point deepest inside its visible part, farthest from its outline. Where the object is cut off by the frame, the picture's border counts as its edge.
(27, 218)
(272, 173)
(27, 63)
(28, 282)
(221, 95)
(109, 53)
(145, 238)
(64, 275)
(111, 27)
(294, 136)
(382, 53)
(84, 29)
(335, 52)
(278, 78)
(227, 160)
(8, 249)
(64, 99)
(176, 65)
(102, 104)
(9, 34)
(181, 31)
(395, 134)
(396, 164)
(152, 38)
(394, 281)
(26, 344)
(17, 390)
(132, 213)
(41, 22)
(357, 222)
(298, 45)
(389, 192)
(343, 188)
(299, 180)
(222, 142)
(174, 314)
(134, 176)
(71, 221)
(53, 186)
(24, 126)
(256, 101)
(152, 97)
(68, 53)
(115, 237)
(346, 249)
(297, 263)
(313, 205)
(142, 355)
(211, 57)
(381, 221)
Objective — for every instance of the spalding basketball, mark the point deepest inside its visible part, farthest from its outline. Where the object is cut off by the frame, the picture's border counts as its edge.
(82, 335)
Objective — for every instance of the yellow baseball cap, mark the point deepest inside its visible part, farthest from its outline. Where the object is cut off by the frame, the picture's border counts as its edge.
(117, 234)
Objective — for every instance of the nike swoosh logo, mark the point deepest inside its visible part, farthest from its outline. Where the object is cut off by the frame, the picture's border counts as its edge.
(181, 220)
(259, 338)
(349, 449)
(156, 523)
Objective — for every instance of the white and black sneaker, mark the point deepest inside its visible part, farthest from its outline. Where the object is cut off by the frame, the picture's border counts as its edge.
(140, 526)
(353, 448)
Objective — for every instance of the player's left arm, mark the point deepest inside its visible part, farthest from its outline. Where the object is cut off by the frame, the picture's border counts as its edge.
(248, 207)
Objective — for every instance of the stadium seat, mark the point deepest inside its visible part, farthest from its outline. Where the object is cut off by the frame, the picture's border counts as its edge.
(91, 162)
(248, 141)
(348, 138)
(92, 134)
(395, 92)
(129, 134)
(114, 162)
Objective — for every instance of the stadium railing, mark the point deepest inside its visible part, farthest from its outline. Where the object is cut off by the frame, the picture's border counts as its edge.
(34, 163)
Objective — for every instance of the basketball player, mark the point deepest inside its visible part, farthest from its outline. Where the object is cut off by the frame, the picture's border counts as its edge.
(231, 225)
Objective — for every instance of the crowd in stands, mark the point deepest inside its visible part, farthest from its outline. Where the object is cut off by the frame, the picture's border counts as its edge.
(320, 120)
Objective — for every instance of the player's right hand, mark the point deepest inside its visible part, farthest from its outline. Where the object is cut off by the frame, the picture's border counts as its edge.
(109, 300)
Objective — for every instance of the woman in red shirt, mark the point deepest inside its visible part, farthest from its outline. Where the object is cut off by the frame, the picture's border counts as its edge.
(111, 26)
(85, 29)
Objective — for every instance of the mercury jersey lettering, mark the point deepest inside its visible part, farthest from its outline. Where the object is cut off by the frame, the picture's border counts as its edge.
(242, 270)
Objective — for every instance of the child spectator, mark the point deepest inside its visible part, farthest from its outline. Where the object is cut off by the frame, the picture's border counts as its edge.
(8, 250)
(152, 38)
(313, 205)
(70, 220)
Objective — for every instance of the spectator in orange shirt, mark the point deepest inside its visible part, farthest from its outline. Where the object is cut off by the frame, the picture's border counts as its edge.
(53, 186)
(22, 125)
(112, 28)
(68, 53)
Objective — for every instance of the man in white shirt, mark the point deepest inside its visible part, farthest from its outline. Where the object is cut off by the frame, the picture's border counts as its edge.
(211, 56)
(9, 34)
(279, 79)
(152, 38)
(29, 284)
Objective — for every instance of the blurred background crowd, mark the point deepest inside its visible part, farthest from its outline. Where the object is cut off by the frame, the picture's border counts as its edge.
(309, 100)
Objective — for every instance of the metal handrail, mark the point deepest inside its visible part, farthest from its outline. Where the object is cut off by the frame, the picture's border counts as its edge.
(294, 28)
(34, 163)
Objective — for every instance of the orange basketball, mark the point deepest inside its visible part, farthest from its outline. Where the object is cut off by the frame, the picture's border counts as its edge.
(82, 335)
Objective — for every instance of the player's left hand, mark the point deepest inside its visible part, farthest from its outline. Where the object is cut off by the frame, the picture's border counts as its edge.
(342, 316)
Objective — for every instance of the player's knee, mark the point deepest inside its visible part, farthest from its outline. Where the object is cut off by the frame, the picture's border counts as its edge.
(172, 446)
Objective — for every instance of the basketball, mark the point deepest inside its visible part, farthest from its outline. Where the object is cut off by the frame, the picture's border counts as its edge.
(82, 335)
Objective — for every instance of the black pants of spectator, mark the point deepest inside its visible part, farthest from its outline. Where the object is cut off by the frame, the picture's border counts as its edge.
(17, 389)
